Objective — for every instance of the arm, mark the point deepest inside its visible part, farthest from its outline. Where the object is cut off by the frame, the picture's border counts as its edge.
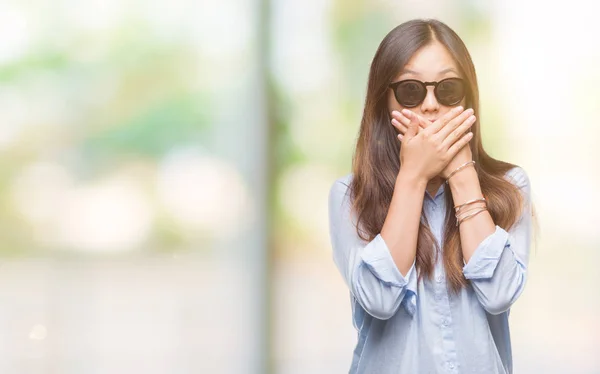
(378, 272)
(495, 260)
(465, 186)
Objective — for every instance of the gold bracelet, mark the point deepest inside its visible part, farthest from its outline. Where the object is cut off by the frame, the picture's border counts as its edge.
(476, 208)
(457, 215)
(457, 207)
(459, 169)
(458, 222)
(466, 209)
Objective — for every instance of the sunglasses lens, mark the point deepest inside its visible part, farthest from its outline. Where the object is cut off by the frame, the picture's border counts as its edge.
(410, 93)
(450, 91)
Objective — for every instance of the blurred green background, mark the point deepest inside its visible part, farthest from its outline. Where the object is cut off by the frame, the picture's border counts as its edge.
(165, 170)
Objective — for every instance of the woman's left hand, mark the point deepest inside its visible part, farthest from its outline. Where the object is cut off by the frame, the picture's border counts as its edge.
(400, 122)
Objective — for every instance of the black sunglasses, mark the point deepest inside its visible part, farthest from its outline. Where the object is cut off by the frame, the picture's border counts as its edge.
(411, 92)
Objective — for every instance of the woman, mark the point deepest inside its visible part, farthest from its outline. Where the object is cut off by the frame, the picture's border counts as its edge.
(429, 232)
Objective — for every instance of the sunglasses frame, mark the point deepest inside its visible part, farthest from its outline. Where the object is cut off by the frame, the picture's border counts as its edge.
(394, 85)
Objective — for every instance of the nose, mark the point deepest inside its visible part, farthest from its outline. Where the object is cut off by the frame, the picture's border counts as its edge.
(430, 104)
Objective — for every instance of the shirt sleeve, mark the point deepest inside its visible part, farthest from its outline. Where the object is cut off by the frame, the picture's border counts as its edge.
(498, 267)
(368, 268)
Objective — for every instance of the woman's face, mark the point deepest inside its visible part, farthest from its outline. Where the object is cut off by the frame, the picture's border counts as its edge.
(428, 64)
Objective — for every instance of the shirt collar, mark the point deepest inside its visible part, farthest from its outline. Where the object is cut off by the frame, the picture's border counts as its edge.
(439, 192)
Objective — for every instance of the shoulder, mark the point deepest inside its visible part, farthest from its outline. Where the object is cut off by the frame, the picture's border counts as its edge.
(518, 176)
(340, 189)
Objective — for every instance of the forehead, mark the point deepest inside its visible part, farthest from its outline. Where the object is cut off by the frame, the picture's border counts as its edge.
(431, 62)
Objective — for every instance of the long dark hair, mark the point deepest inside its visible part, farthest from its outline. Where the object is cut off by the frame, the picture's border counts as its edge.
(376, 163)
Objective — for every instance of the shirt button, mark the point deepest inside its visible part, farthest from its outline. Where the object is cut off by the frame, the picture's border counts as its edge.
(439, 279)
(445, 322)
(451, 365)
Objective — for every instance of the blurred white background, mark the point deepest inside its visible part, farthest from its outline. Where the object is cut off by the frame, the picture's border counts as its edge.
(165, 170)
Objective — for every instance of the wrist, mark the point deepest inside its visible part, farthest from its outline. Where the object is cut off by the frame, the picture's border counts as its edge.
(464, 185)
(463, 177)
(412, 178)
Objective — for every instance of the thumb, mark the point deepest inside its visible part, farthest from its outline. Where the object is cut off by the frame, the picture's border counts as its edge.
(413, 126)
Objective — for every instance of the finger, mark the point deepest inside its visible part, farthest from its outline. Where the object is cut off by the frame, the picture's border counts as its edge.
(413, 127)
(399, 126)
(425, 123)
(409, 114)
(458, 132)
(400, 137)
(402, 118)
(460, 144)
(455, 123)
(441, 122)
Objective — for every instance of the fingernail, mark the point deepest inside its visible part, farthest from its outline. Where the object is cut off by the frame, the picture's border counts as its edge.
(395, 113)
(459, 108)
(406, 112)
(470, 111)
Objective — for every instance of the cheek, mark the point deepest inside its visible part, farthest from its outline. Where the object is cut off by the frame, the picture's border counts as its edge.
(393, 103)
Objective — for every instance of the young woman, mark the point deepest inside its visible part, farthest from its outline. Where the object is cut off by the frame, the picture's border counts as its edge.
(430, 233)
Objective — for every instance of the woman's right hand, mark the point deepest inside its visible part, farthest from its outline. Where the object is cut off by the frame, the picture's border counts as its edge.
(425, 152)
